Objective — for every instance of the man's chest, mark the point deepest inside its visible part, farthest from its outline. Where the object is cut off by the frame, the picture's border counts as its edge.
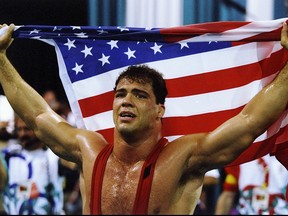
(119, 189)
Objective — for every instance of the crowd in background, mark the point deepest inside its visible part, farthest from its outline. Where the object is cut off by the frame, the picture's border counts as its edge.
(25, 161)
(255, 188)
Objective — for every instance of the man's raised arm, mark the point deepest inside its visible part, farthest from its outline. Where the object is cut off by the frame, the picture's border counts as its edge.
(30, 106)
(230, 139)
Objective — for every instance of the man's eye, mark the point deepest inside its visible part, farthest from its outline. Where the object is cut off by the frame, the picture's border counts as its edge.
(118, 95)
(141, 96)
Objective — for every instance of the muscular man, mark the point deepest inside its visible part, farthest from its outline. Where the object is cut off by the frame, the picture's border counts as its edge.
(126, 179)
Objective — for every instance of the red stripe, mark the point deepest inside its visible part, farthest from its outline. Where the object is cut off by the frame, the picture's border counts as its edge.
(197, 84)
(175, 34)
(266, 36)
(198, 123)
(96, 104)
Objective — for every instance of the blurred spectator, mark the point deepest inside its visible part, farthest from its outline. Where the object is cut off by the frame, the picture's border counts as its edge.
(209, 194)
(261, 186)
(6, 121)
(51, 98)
(33, 184)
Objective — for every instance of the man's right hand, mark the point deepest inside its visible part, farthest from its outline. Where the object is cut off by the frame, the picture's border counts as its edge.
(6, 36)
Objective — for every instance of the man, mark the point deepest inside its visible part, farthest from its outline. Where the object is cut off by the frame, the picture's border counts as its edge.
(30, 172)
(258, 187)
(111, 187)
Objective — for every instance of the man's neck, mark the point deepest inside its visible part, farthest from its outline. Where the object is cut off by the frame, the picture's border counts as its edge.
(133, 151)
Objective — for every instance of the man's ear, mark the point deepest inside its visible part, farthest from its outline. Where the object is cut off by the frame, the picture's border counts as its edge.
(161, 110)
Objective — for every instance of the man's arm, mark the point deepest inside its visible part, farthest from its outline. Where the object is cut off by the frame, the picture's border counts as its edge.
(229, 140)
(51, 128)
(225, 203)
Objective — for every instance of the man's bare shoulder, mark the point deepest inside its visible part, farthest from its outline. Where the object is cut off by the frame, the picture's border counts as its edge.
(91, 139)
(188, 141)
(188, 149)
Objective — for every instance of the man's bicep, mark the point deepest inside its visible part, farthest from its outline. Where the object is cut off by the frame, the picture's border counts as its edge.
(58, 135)
(229, 140)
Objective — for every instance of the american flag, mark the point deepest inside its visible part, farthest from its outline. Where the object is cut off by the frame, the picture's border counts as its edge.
(212, 70)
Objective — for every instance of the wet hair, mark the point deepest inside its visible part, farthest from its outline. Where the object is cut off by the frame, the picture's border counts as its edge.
(143, 74)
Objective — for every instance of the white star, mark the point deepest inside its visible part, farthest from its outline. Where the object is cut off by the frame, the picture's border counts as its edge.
(70, 44)
(104, 59)
(87, 51)
(76, 27)
(130, 53)
(122, 28)
(183, 44)
(212, 42)
(78, 68)
(156, 48)
(56, 28)
(113, 43)
(81, 35)
(102, 31)
(35, 31)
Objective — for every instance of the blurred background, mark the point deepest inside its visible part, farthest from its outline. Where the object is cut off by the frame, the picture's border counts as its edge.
(36, 61)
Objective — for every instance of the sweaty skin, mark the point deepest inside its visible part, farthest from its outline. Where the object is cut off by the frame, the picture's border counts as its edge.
(182, 164)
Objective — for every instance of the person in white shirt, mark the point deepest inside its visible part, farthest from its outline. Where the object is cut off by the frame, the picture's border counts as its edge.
(33, 185)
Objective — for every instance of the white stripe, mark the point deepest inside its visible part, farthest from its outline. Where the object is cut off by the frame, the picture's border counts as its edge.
(184, 66)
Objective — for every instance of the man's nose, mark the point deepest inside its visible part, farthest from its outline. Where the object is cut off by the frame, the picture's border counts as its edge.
(127, 100)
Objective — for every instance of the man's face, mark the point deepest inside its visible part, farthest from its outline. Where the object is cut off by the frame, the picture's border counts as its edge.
(135, 108)
(26, 136)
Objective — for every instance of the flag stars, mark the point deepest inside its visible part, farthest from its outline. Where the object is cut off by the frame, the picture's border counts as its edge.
(70, 44)
(113, 44)
(104, 59)
(156, 48)
(87, 51)
(78, 68)
(130, 53)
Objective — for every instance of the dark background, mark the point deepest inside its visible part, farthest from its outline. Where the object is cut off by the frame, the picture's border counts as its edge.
(36, 61)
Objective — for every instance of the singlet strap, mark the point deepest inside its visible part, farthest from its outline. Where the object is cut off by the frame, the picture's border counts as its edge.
(144, 185)
(97, 179)
(145, 182)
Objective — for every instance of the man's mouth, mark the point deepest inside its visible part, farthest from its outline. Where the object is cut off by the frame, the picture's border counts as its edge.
(127, 115)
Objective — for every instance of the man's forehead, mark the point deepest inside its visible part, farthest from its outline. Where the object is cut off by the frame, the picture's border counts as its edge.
(128, 83)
